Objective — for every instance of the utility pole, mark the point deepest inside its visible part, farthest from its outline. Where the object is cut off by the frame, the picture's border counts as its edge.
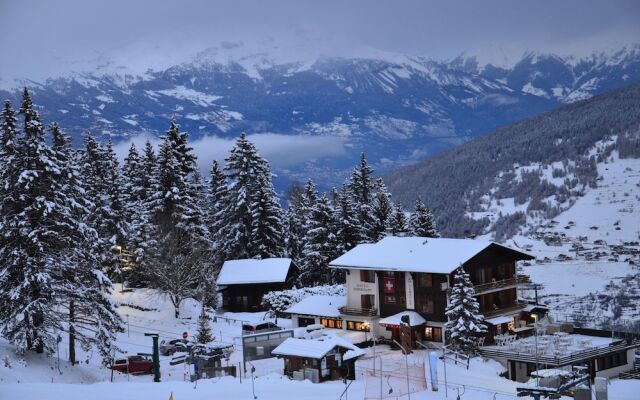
(156, 356)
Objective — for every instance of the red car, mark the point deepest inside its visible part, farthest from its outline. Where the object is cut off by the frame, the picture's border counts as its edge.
(133, 365)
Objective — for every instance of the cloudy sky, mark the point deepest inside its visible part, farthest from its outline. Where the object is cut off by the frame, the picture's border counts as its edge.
(40, 36)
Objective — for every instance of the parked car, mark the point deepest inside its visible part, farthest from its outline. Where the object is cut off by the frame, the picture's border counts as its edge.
(251, 328)
(168, 348)
(133, 365)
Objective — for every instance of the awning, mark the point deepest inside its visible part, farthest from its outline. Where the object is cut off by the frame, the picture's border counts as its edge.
(415, 319)
(533, 307)
(499, 320)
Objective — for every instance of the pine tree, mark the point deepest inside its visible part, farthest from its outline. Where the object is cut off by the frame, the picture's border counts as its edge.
(421, 222)
(398, 223)
(181, 251)
(319, 246)
(267, 232)
(382, 211)
(361, 190)
(243, 167)
(83, 296)
(217, 212)
(204, 334)
(345, 219)
(465, 321)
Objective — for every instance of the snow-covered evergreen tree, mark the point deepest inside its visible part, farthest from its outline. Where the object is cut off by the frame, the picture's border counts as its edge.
(204, 334)
(346, 222)
(382, 211)
(465, 323)
(361, 190)
(218, 194)
(267, 232)
(398, 223)
(421, 222)
(319, 246)
(180, 264)
(83, 297)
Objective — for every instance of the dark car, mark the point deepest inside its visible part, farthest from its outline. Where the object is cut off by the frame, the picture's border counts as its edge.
(259, 327)
(133, 365)
(168, 348)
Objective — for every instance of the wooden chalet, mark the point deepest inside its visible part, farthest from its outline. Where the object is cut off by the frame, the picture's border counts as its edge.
(400, 274)
(243, 283)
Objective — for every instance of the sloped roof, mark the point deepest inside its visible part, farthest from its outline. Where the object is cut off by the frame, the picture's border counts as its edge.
(320, 305)
(247, 271)
(416, 254)
(316, 348)
(415, 319)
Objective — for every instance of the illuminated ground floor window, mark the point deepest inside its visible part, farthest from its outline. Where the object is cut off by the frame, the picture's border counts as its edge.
(331, 323)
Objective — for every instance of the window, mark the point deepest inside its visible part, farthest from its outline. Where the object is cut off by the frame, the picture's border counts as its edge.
(425, 306)
(302, 321)
(433, 334)
(331, 323)
(367, 301)
(358, 326)
(425, 280)
(367, 276)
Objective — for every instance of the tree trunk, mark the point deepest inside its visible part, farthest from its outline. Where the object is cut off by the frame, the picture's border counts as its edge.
(37, 324)
(176, 305)
(72, 334)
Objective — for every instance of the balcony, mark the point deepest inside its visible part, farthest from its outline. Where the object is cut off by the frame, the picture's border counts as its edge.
(504, 310)
(496, 286)
(362, 312)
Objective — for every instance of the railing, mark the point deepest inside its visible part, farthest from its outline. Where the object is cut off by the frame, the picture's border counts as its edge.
(366, 312)
(572, 358)
(497, 285)
(503, 310)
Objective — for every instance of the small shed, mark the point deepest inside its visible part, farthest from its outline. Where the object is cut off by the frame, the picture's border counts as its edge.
(392, 323)
(318, 309)
(319, 359)
(243, 283)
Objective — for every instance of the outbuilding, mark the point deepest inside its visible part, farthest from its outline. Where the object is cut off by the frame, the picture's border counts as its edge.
(243, 283)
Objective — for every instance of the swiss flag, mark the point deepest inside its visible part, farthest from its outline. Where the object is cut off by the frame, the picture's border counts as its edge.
(389, 285)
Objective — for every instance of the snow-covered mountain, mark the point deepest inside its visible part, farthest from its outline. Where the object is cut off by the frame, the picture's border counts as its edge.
(397, 108)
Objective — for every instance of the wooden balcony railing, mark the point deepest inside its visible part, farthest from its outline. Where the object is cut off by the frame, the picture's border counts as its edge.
(502, 284)
(364, 312)
(503, 310)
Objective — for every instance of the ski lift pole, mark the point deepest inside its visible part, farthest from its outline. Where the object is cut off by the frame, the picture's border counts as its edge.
(446, 383)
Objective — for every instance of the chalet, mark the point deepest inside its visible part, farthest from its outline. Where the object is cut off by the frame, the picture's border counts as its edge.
(244, 282)
(318, 358)
(412, 275)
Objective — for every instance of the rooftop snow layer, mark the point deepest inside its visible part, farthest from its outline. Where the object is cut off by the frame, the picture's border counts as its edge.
(268, 270)
(415, 319)
(413, 254)
(316, 348)
(323, 306)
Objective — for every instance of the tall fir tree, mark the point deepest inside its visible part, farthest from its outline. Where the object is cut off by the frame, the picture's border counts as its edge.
(361, 189)
(319, 246)
(398, 223)
(421, 222)
(217, 212)
(267, 230)
(345, 220)
(465, 323)
(382, 211)
(204, 334)
(83, 297)
(181, 250)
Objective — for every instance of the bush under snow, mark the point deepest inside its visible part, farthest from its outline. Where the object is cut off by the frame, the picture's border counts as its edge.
(280, 300)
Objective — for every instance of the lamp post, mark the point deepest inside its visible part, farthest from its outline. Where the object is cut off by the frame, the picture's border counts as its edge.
(156, 356)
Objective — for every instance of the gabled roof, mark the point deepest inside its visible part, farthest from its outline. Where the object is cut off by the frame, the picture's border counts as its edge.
(247, 271)
(416, 254)
(316, 348)
(320, 305)
(415, 319)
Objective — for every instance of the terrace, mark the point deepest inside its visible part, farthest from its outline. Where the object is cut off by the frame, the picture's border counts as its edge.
(558, 349)
(496, 286)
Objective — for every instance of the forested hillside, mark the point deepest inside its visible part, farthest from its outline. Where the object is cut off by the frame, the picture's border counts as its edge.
(456, 183)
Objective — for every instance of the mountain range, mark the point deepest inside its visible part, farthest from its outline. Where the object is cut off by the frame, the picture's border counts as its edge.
(398, 109)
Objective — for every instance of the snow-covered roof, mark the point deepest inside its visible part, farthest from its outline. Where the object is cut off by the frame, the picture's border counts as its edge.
(499, 320)
(322, 306)
(268, 270)
(414, 254)
(316, 348)
(415, 319)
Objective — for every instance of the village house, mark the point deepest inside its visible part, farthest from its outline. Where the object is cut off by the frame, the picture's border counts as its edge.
(244, 282)
(400, 275)
(317, 310)
(318, 356)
